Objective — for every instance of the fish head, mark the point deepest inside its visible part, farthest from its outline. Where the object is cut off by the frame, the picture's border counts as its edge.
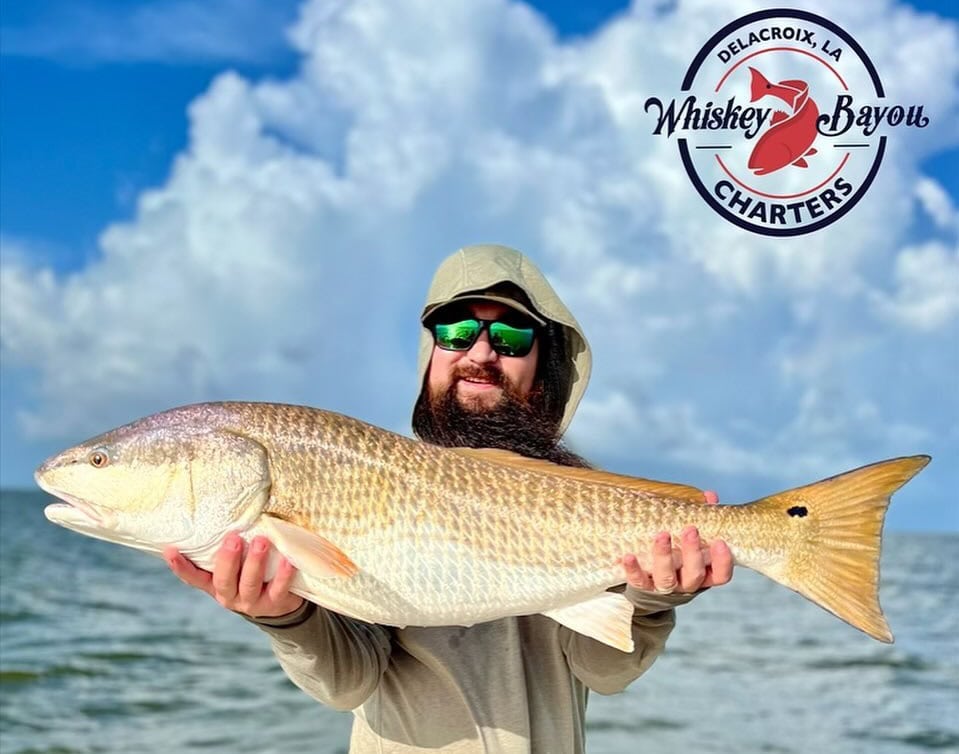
(158, 482)
(790, 91)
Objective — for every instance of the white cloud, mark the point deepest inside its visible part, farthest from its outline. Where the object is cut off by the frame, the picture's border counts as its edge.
(926, 295)
(937, 203)
(615, 424)
(287, 255)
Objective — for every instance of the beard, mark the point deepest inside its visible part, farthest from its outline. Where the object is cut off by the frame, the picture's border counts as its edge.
(517, 423)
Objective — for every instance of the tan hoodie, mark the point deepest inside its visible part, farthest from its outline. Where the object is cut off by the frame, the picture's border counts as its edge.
(478, 269)
(512, 685)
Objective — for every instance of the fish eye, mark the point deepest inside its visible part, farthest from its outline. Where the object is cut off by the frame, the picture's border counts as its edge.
(99, 459)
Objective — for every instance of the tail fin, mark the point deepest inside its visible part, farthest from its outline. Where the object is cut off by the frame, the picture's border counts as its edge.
(833, 552)
(758, 84)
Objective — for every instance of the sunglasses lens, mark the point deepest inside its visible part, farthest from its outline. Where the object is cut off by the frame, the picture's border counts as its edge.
(456, 336)
(510, 341)
(506, 340)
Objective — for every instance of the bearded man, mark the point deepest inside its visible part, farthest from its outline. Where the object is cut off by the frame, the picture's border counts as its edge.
(502, 364)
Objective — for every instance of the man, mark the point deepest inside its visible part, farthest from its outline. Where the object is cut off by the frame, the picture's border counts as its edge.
(504, 364)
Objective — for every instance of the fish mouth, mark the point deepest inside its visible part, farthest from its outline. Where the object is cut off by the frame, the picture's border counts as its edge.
(73, 510)
(76, 512)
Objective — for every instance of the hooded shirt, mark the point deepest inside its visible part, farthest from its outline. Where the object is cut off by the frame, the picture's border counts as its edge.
(514, 685)
(481, 272)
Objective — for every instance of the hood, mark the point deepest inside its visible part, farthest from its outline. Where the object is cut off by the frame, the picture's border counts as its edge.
(476, 269)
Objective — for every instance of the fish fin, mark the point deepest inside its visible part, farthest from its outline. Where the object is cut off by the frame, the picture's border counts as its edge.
(811, 151)
(801, 163)
(778, 117)
(607, 617)
(308, 551)
(834, 531)
(758, 85)
(800, 93)
(682, 492)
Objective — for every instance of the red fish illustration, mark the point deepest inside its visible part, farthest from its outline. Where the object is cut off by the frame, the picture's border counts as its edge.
(788, 141)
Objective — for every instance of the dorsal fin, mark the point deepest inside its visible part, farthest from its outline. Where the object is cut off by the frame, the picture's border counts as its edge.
(515, 460)
(778, 117)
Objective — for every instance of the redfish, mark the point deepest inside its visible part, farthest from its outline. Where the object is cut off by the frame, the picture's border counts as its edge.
(393, 531)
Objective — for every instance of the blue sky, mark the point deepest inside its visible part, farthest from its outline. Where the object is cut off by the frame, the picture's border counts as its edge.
(192, 193)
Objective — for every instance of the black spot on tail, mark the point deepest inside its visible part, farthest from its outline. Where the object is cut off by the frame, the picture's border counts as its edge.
(798, 510)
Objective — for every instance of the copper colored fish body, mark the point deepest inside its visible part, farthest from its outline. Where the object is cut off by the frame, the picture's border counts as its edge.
(393, 531)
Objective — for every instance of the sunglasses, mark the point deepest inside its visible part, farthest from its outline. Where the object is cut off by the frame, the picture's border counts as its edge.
(505, 339)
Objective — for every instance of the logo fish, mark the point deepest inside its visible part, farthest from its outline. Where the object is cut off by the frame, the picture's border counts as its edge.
(790, 137)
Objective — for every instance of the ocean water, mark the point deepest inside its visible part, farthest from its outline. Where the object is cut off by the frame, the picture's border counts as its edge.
(103, 650)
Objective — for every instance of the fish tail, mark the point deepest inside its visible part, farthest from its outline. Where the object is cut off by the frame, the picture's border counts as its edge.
(758, 84)
(834, 531)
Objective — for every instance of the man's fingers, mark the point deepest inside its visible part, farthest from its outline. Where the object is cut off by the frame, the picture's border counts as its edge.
(664, 567)
(237, 582)
(693, 570)
(188, 573)
(251, 574)
(226, 569)
(721, 567)
(635, 575)
(279, 587)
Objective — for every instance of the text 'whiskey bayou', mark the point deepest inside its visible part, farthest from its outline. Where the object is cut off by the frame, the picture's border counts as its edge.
(782, 122)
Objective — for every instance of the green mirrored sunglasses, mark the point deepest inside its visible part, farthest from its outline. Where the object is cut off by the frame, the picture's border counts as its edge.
(505, 339)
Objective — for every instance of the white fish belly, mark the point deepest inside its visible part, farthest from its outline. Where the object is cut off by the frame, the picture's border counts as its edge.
(402, 584)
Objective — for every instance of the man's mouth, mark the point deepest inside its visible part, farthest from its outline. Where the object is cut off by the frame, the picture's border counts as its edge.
(479, 382)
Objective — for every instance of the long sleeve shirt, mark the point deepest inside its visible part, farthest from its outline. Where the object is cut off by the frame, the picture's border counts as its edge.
(512, 685)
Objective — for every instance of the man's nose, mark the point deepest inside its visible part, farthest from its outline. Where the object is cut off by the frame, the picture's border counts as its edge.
(482, 351)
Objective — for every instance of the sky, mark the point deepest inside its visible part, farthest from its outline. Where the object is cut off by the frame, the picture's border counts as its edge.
(232, 199)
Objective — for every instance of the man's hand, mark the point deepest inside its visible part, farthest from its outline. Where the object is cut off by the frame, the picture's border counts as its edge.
(237, 578)
(685, 570)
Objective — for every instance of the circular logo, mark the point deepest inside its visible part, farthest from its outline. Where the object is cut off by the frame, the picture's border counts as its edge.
(782, 123)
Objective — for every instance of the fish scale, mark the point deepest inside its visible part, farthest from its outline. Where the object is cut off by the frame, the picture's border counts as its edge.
(394, 531)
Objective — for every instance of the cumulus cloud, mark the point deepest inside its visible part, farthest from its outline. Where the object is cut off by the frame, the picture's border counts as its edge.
(937, 204)
(286, 256)
(926, 294)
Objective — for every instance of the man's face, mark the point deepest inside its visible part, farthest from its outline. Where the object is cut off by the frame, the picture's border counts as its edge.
(476, 376)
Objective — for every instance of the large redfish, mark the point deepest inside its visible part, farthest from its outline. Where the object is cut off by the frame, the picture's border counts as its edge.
(394, 531)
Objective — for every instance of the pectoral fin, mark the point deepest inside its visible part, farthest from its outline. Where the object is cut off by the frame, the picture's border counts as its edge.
(308, 551)
(801, 163)
(607, 617)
